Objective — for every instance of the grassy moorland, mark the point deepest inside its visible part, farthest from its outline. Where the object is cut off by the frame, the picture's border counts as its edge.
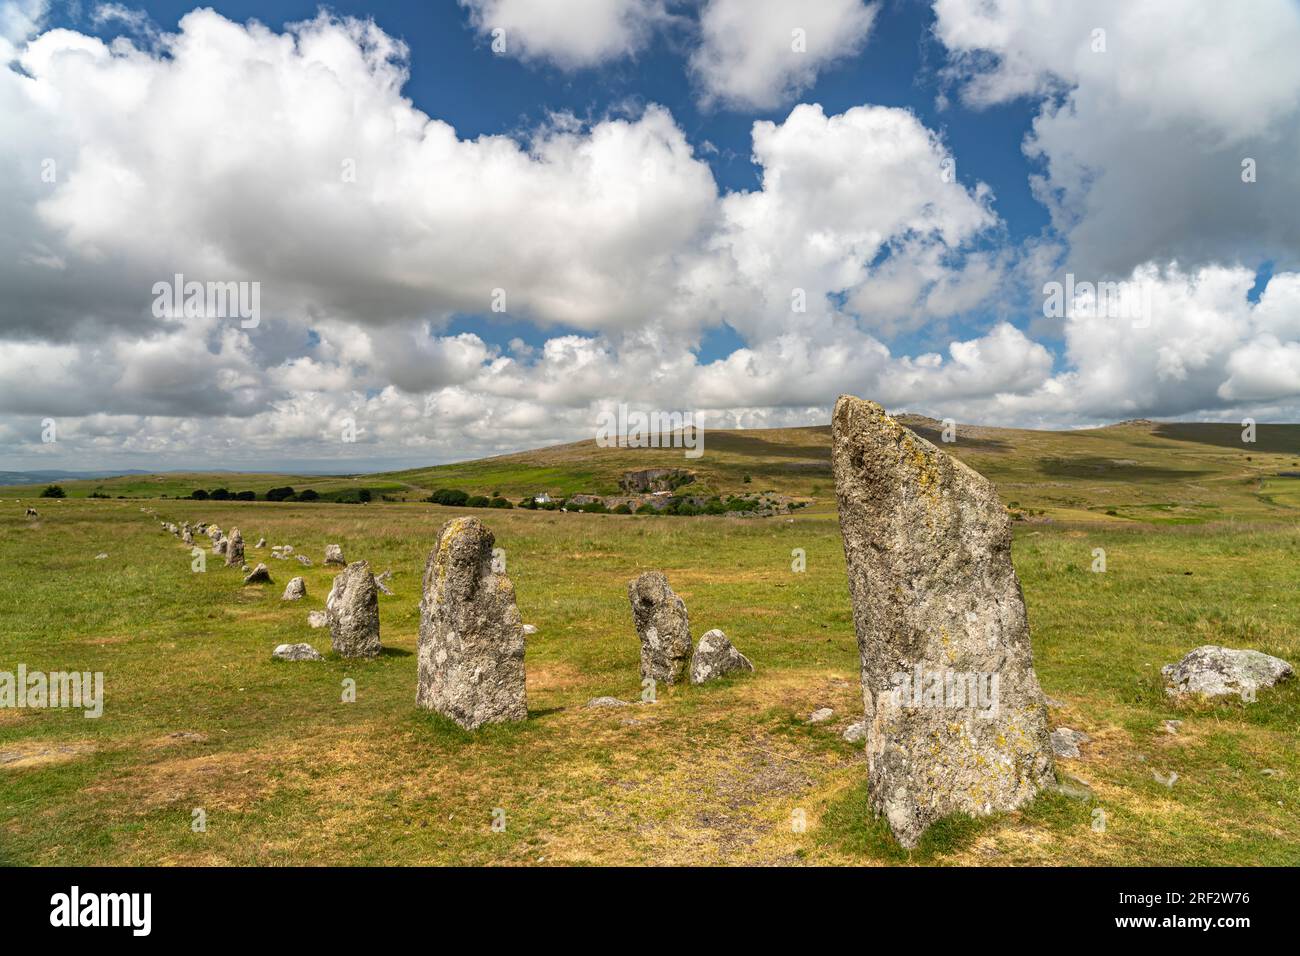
(1201, 548)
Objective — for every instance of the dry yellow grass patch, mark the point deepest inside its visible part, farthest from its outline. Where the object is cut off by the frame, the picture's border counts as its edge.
(22, 755)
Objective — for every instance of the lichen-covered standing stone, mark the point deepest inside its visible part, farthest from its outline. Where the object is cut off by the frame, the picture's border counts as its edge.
(715, 656)
(334, 554)
(471, 650)
(295, 590)
(352, 609)
(662, 623)
(234, 548)
(956, 720)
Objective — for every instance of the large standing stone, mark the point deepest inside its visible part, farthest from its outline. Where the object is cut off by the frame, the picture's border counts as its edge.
(956, 721)
(234, 548)
(353, 611)
(715, 656)
(471, 665)
(661, 621)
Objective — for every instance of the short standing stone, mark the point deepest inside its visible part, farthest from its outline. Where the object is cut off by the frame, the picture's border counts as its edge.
(471, 657)
(187, 537)
(334, 554)
(296, 652)
(956, 721)
(234, 548)
(259, 575)
(353, 610)
(715, 656)
(295, 590)
(219, 545)
(663, 626)
(1213, 671)
(317, 619)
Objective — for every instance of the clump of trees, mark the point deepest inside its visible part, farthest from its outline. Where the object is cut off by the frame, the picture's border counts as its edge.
(53, 491)
(451, 497)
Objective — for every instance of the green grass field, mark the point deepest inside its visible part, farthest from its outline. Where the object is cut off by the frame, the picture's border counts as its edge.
(1201, 548)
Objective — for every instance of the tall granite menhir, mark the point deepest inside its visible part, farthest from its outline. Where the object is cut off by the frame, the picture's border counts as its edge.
(471, 650)
(956, 720)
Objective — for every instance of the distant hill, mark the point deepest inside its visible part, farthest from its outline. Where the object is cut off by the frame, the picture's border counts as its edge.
(1133, 471)
(45, 477)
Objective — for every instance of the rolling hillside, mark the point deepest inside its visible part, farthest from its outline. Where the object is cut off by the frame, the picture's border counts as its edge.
(1144, 471)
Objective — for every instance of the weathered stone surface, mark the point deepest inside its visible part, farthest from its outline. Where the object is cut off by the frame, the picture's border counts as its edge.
(353, 612)
(956, 720)
(296, 652)
(597, 702)
(1213, 671)
(820, 715)
(855, 732)
(261, 543)
(662, 623)
(471, 648)
(1066, 742)
(234, 548)
(334, 554)
(715, 656)
(187, 536)
(530, 630)
(381, 582)
(303, 560)
(259, 575)
(317, 619)
(219, 545)
(295, 590)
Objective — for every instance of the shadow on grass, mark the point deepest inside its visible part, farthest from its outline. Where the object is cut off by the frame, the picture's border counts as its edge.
(850, 826)
(1108, 469)
(441, 729)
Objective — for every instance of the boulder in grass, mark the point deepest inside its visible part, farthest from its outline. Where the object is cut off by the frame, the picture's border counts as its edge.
(334, 555)
(598, 702)
(295, 590)
(716, 657)
(259, 575)
(317, 619)
(296, 652)
(1211, 671)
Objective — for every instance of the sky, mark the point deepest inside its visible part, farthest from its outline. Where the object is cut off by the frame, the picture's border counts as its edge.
(468, 228)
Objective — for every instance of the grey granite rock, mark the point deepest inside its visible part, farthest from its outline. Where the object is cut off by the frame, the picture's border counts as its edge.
(715, 657)
(296, 652)
(259, 575)
(663, 626)
(352, 609)
(471, 647)
(334, 554)
(295, 590)
(956, 720)
(1213, 671)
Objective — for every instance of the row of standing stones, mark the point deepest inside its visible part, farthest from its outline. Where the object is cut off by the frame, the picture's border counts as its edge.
(933, 591)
